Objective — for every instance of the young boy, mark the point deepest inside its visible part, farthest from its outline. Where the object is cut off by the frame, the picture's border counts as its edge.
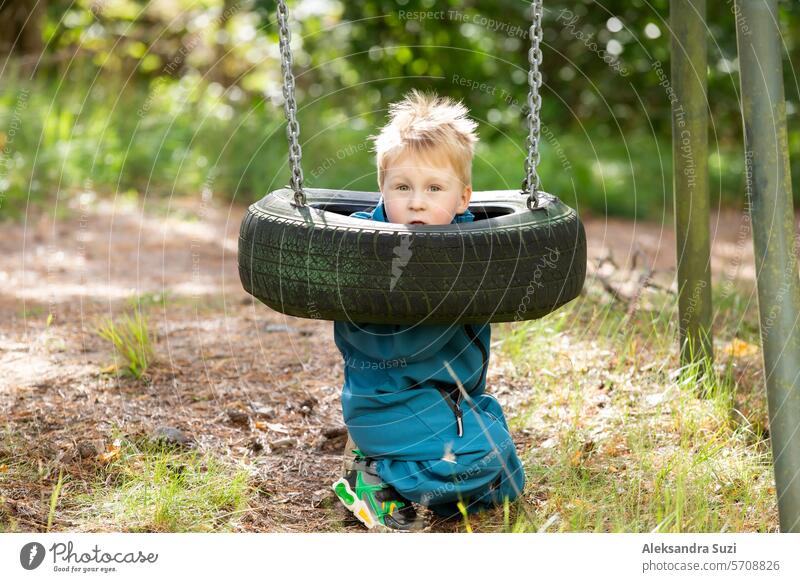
(413, 436)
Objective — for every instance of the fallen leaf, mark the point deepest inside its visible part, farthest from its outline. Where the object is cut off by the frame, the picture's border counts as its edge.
(3, 468)
(739, 348)
(261, 425)
(109, 369)
(107, 457)
(112, 452)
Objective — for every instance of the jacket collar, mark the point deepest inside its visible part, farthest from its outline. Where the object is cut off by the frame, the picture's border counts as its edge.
(379, 214)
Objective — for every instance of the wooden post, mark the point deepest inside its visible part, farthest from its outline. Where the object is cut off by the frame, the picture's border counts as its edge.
(769, 191)
(690, 179)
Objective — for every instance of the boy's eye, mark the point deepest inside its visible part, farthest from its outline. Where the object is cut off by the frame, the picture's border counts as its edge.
(401, 186)
(435, 188)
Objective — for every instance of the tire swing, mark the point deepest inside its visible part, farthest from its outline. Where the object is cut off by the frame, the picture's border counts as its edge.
(521, 258)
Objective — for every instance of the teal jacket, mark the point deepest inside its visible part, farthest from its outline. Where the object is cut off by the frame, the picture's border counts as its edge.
(401, 405)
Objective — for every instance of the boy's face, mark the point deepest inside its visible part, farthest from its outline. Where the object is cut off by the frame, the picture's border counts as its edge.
(426, 190)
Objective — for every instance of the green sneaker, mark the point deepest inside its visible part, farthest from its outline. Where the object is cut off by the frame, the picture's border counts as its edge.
(373, 502)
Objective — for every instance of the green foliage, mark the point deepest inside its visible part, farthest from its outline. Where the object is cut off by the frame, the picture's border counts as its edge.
(131, 340)
(174, 98)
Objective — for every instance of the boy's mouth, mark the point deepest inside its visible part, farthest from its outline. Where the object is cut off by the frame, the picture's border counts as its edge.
(416, 222)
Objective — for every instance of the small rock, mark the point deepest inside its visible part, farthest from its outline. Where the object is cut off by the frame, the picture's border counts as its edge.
(86, 450)
(282, 444)
(238, 418)
(171, 437)
(321, 496)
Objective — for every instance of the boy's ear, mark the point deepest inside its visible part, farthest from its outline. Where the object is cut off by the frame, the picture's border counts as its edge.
(465, 198)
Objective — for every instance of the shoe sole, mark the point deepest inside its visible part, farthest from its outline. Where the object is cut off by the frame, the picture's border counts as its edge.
(357, 506)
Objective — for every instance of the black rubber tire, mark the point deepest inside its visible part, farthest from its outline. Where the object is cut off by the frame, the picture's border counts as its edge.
(316, 261)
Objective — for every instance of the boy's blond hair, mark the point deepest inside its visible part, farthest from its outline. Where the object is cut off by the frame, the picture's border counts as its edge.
(423, 123)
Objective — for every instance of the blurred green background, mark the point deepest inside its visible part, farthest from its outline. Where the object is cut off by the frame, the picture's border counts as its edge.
(177, 97)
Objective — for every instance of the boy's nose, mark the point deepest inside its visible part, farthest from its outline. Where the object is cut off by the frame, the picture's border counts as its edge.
(417, 200)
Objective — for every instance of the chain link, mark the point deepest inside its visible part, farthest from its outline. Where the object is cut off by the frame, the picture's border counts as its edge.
(531, 183)
(290, 106)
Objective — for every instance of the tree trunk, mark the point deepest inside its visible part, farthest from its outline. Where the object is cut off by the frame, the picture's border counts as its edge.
(21, 28)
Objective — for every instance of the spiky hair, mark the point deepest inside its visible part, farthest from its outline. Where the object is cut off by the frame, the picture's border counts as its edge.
(423, 123)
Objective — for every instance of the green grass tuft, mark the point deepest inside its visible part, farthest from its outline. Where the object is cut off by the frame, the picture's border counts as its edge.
(131, 339)
(150, 488)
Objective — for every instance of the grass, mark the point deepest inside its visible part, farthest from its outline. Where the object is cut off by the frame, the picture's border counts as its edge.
(621, 439)
(149, 488)
(54, 500)
(131, 339)
(625, 445)
(27, 478)
(142, 486)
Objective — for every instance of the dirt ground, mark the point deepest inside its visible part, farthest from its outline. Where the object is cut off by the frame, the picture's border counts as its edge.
(219, 351)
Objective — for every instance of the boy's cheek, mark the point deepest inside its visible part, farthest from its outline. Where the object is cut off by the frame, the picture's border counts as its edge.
(391, 212)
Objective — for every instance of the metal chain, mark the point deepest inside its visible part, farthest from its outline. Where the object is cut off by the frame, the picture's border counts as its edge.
(531, 183)
(290, 106)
